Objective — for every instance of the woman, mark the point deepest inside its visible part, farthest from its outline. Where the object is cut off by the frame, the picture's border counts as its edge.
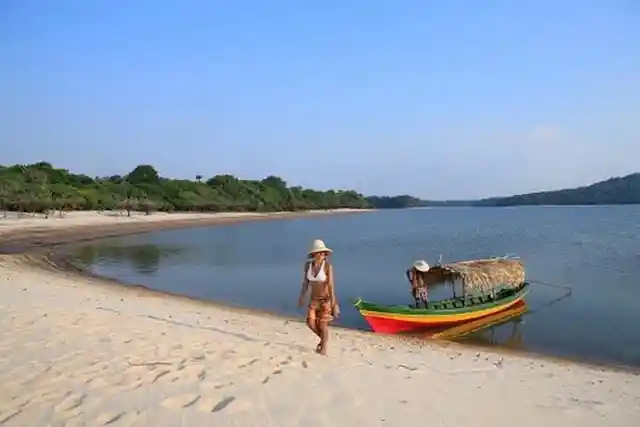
(323, 305)
(415, 275)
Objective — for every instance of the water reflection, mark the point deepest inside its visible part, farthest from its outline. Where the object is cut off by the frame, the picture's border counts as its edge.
(502, 329)
(144, 258)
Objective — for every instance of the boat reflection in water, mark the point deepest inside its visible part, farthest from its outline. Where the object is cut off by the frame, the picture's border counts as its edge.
(484, 330)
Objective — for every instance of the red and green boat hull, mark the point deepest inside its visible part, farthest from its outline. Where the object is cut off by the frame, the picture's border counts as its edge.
(402, 318)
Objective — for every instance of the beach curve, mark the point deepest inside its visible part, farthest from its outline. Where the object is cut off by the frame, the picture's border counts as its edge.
(29, 232)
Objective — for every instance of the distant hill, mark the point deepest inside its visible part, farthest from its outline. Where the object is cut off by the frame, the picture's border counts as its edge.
(613, 191)
(406, 201)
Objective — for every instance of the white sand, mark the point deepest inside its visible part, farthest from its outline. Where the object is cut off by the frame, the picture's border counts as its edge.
(93, 218)
(76, 351)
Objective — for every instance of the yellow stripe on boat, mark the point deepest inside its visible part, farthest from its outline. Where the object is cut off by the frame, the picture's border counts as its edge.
(440, 318)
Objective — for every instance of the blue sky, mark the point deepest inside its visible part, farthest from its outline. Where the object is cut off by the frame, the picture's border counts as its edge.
(440, 99)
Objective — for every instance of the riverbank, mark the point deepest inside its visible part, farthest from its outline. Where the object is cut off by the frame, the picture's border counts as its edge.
(80, 351)
(19, 234)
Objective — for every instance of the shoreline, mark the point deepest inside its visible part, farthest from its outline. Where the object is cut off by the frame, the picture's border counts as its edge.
(60, 263)
(50, 236)
(19, 235)
(80, 349)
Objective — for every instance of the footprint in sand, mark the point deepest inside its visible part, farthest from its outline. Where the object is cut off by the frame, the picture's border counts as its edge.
(129, 386)
(216, 405)
(221, 405)
(73, 422)
(160, 374)
(121, 419)
(171, 377)
(46, 395)
(70, 402)
(198, 372)
(6, 416)
(274, 373)
(108, 418)
(181, 401)
(248, 363)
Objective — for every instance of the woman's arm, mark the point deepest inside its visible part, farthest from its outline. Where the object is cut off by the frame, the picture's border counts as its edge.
(332, 290)
(412, 278)
(305, 286)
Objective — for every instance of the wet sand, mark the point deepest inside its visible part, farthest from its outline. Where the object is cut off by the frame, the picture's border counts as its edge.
(78, 350)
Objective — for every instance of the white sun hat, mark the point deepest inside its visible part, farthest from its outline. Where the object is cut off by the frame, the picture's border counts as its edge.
(318, 246)
(421, 266)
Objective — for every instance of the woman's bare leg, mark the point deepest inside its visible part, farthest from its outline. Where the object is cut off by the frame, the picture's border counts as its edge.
(312, 323)
(323, 328)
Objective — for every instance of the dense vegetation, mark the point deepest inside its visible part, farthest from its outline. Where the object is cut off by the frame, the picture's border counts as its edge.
(40, 187)
(613, 191)
(394, 202)
(405, 201)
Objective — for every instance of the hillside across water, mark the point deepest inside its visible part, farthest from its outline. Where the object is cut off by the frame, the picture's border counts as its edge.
(613, 191)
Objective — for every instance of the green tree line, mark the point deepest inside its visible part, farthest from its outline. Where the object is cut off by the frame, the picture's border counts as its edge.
(40, 187)
(395, 202)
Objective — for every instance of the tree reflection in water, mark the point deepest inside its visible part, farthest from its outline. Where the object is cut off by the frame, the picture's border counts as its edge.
(145, 259)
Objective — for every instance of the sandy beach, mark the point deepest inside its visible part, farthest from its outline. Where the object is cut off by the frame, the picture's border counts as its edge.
(83, 351)
(26, 232)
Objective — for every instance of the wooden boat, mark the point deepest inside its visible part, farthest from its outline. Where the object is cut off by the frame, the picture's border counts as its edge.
(489, 286)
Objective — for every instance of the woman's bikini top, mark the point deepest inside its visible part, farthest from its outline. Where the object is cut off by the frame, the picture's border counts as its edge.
(321, 277)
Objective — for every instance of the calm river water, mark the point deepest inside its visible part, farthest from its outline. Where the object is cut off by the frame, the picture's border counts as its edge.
(594, 251)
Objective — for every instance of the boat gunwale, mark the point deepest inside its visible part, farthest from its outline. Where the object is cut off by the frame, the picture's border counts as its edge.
(402, 310)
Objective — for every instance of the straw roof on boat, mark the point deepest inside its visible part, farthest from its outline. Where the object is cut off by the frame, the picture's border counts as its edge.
(479, 275)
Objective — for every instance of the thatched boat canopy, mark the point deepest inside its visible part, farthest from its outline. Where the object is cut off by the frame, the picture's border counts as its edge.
(479, 275)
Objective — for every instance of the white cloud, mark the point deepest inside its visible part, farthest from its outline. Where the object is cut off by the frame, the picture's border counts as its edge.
(545, 134)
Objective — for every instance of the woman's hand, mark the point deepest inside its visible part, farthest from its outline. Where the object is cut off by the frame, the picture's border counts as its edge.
(300, 301)
(335, 310)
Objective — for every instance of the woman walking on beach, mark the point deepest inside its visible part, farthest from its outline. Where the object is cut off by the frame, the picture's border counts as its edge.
(323, 305)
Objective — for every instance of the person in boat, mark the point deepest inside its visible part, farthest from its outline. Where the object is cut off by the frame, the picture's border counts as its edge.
(416, 277)
(323, 305)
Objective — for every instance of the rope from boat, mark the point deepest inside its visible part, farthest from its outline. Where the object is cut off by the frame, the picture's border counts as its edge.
(568, 291)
